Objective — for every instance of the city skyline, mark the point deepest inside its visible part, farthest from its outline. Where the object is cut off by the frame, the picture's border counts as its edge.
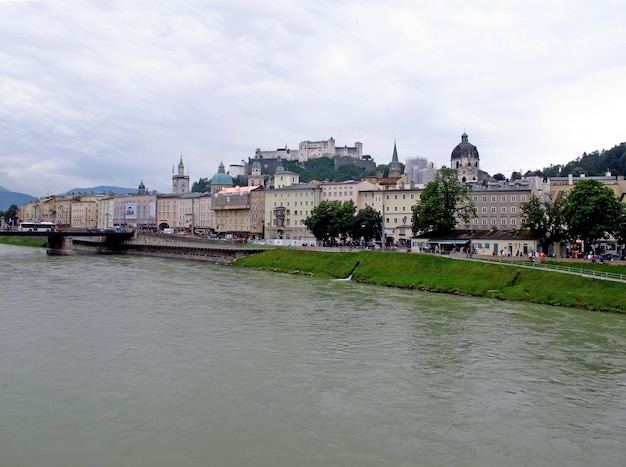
(112, 95)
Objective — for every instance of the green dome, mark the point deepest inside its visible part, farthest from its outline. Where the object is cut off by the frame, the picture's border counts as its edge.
(256, 165)
(280, 169)
(221, 179)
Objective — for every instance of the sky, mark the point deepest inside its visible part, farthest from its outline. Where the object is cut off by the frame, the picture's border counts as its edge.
(115, 92)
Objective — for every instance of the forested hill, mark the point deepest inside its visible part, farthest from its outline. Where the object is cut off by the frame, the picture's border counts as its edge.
(323, 168)
(596, 163)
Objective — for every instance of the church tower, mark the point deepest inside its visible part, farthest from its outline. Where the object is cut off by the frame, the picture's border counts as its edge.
(395, 168)
(180, 181)
(465, 160)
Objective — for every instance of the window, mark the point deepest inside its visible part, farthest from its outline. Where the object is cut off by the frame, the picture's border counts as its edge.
(523, 198)
(493, 210)
(503, 199)
(493, 199)
(503, 221)
(484, 210)
(484, 221)
(513, 221)
(493, 221)
(503, 210)
(484, 199)
(475, 199)
(475, 221)
(513, 209)
(513, 198)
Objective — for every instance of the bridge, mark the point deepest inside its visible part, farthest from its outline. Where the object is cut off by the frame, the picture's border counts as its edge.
(68, 233)
(65, 243)
(61, 242)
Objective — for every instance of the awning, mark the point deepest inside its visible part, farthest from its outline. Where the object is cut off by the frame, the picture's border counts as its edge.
(448, 242)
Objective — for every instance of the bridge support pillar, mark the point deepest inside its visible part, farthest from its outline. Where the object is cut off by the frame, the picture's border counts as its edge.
(60, 246)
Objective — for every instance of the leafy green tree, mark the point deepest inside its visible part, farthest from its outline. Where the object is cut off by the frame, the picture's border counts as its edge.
(319, 220)
(620, 227)
(344, 218)
(201, 186)
(544, 219)
(443, 201)
(591, 212)
(367, 224)
(10, 213)
(535, 218)
(331, 219)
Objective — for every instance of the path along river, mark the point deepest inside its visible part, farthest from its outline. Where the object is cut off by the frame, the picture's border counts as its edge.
(133, 361)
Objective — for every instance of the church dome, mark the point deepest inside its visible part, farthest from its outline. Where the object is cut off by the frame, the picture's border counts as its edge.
(464, 149)
(221, 177)
(256, 165)
(280, 169)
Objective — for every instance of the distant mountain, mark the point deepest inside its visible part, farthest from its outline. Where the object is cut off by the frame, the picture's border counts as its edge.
(8, 198)
(102, 189)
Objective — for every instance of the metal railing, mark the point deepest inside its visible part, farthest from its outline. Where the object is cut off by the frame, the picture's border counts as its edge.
(557, 268)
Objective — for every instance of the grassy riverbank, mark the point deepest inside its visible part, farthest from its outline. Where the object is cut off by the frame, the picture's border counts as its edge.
(23, 241)
(443, 274)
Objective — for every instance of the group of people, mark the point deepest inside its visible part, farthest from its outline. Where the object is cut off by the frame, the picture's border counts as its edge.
(593, 258)
(536, 254)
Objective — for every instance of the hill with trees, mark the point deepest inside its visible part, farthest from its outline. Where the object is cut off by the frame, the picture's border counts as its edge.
(596, 163)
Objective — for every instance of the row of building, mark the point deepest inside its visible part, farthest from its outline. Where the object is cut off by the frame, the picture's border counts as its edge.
(275, 206)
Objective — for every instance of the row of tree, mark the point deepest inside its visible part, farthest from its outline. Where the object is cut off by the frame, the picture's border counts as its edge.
(336, 220)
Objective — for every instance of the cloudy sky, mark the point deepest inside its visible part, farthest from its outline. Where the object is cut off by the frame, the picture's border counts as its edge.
(113, 92)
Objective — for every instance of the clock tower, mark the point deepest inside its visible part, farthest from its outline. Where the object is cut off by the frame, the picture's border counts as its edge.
(180, 181)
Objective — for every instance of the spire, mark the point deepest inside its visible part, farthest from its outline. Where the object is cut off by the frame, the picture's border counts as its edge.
(395, 154)
(464, 138)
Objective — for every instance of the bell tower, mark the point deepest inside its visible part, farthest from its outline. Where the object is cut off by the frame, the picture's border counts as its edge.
(180, 181)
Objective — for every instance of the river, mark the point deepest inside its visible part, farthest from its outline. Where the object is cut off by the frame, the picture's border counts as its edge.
(137, 361)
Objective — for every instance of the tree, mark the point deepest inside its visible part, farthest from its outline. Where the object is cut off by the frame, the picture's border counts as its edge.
(591, 212)
(535, 218)
(544, 219)
(620, 227)
(201, 186)
(10, 213)
(367, 224)
(443, 201)
(319, 222)
(344, 218)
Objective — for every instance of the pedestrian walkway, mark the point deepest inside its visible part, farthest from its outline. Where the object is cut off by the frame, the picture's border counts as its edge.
(575, 269)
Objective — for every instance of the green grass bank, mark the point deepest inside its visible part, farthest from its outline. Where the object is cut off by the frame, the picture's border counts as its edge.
(446, 275)
(23, 241)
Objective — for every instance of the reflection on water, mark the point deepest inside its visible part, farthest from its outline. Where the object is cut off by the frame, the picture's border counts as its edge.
(132, 361)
